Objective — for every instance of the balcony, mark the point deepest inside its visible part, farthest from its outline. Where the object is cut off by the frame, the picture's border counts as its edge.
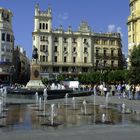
(65, 43)
(74, 44)
(74, 53)
(65, 53)
(133, 17)
(98, 55)
(115, 56)
(56, 53)
(86, 53)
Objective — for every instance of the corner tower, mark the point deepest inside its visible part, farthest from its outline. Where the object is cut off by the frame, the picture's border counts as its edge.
(42, 20)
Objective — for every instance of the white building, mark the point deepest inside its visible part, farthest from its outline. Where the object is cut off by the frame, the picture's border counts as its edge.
(70, 52)
(6, 44)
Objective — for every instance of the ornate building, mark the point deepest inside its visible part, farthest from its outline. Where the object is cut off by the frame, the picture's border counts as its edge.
(133, 23)
(6, 45)
(70, 52)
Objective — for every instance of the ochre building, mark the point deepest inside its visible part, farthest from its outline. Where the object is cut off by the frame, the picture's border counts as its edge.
(133, 23)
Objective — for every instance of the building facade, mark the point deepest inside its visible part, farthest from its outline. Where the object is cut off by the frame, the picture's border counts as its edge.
(6, 45)
(133, 23)
(22, 66)
(74, 52)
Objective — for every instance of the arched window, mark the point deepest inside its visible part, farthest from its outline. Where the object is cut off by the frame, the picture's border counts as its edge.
(46, 26)
(43, 26)
(40, 26)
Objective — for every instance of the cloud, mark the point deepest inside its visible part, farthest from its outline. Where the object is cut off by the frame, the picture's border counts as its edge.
(113, 28)
(63, 16)
(119, 30)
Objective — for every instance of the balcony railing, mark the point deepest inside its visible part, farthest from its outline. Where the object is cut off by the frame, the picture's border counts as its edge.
(106, 56)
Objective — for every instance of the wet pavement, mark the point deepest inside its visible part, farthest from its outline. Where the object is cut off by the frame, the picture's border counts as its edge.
(79, 126)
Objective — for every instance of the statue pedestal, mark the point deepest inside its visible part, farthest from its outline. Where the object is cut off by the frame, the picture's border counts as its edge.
(35, 79)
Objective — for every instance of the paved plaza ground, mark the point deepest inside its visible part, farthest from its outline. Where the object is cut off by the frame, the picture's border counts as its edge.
(85, 132)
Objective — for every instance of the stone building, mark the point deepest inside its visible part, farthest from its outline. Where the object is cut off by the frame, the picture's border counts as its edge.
(133, 23)
(22, 66)
(6, 45)
(74, 52)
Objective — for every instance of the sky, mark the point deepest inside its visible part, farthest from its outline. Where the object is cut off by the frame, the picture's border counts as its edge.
(101, 15)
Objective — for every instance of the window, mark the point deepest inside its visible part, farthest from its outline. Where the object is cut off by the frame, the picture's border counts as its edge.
(104, 42)
(40, 26)
(97, 52)
(84, 69)
(85, 49)
(46, 58)
(112, 52)
(65, 40)
(65, 59)
(44, 69)
(129, 27)
(104, 63)
(3, 37)
(97, 63)
(97, 41)
(104, 52)
(85, 59)
(65, 69)
(112, 42)
(74, 59)
(43, 26)
(8, 37)
(74, 49)
(133, 38)
(43, 58)
(55, 59)
(55, 39)
(85, 40)
(42, 47)
(46, 26)
(65, 49)
(74, 40)
(73, 69)
(55, 69)
(55, 48)
(112, 63)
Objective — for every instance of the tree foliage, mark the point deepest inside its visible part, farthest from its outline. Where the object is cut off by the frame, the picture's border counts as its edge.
(135, 65)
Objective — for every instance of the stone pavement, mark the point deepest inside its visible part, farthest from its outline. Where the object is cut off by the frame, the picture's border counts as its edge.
(86, 132)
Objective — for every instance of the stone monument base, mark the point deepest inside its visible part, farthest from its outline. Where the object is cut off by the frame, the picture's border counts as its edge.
(36, 84)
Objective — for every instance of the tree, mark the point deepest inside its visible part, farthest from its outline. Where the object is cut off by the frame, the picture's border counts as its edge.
(135, 65)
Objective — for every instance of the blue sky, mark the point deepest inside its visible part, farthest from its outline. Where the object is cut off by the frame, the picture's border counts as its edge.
(101, 15)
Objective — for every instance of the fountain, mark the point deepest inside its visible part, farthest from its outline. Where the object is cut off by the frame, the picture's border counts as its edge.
(85, 107)
(2, 116)
(103, 119)
(107, 99)
(40, 104)
(52, 114)
(36, 99)
(66, 99)
(123, 108)
(73, 103)
(52, 123)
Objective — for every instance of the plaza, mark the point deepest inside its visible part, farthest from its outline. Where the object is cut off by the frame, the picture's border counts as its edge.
(38, 104)
(124, 131)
